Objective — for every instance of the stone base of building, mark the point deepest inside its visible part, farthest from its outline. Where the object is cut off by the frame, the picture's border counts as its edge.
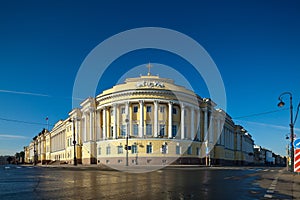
(89, 161)
(151, 161)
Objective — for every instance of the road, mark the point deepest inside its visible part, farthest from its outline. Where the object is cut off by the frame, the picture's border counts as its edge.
(169, 183)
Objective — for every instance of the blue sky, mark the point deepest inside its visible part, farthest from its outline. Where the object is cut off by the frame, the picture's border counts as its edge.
(255, 45)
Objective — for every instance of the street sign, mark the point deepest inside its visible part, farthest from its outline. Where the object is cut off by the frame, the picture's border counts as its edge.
(297, 143)
(297, 160)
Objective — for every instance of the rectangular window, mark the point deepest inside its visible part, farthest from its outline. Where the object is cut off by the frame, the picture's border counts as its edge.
(149, 148)
(174, 130)
(178, 150)
(148, 108)
(161, 130)
(198, 151)
(111, 131)
(189, 150)
(174, 111)
(123, 110)
(120, 149)
(123, 130)
(99, 151)
(135, 129)
(135, 109)
(134, 148)
(162, 109)
(164, 149)
(107, 150)
(148, 129)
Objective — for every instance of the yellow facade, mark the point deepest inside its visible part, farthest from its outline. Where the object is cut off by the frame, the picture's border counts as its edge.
(165, 124)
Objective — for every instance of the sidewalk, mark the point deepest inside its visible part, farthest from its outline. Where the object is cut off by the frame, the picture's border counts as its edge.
(289, 184)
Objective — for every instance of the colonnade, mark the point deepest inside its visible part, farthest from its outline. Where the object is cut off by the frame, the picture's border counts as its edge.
(109, 121)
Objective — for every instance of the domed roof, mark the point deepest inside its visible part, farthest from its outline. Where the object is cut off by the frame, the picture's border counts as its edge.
(146, 83)
(147, 87)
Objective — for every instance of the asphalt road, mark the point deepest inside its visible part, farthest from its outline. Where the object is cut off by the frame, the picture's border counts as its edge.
(169, 183)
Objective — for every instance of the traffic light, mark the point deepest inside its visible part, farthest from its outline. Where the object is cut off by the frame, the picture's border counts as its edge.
(126, 147)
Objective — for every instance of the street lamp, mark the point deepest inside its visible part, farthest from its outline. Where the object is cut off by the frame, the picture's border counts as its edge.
(74, 140)
(292, 122)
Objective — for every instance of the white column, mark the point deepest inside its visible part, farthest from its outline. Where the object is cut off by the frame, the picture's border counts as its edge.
(199, 124)
(192, 123)
(170, 120)
(182, 121)
(205, 124)
(155, 118)
(218, 130)
(76, 130)
(115, 121)
(85, 127)
(211, 130)
(141, 125)
(97, 124)
(104, 123)
(91, 124)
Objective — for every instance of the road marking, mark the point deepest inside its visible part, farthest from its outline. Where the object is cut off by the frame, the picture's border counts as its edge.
(268, 196)
(271, 188)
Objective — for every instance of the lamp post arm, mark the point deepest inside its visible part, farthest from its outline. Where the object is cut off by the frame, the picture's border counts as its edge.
(284, 93)
(297, 113)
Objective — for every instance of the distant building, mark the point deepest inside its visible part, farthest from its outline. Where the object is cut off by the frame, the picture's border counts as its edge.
(165, 123)
(263, 156)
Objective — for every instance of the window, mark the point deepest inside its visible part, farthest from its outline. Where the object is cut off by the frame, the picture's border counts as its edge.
(161, 130)
(135, 109)
(107, 150)
(148, 108)
(162, 109)
(135, 129)
(99, 151)
(123, 110)
(178, 150)
(149, 148)
(174, 111)
(111, 112)
(189, 150)
(123, 130)
(111, 131)
(148, 129)
(174, 130)
(198, 151)
(164, 149)
(120, 149)
(134, 148)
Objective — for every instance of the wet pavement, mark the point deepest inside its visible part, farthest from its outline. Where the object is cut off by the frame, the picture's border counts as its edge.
(168, 183)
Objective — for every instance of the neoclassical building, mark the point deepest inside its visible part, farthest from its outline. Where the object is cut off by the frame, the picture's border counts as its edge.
(158, 121)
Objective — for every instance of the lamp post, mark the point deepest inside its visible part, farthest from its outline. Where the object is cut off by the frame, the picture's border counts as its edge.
(74, 140)
(127, 132)
(292, 122)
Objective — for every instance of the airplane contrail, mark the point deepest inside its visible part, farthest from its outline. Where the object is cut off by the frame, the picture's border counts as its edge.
(25, 93)
(269, 125)
(38, 94)
(12, 136)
